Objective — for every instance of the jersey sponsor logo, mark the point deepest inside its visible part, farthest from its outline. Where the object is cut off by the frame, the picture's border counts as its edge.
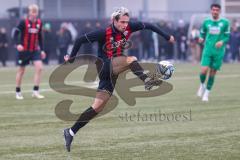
(115, 44)
(214, 30)
(33, 30)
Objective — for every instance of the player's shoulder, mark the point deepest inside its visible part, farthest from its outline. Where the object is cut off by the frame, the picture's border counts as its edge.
(101, 30)
(96, 33)
(207, 20)
(225, 20)
(21, 24)
(39, 21)
(136, 24)
(22, 21)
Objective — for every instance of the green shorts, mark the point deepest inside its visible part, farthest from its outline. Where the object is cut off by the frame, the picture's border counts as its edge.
(213, 61)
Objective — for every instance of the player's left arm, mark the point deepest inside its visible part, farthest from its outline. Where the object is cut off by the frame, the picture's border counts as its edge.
(40, 41)
(136, 26)
(226, 35)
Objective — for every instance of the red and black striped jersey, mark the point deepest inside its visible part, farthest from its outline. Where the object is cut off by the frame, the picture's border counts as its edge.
(111, 42)
(29, 34)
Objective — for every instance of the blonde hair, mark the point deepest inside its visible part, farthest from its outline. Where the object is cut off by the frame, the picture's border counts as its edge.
(33, 7)
(121, 11)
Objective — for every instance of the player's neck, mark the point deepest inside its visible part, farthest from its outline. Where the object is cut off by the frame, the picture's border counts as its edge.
(32, 19)
(216, 19)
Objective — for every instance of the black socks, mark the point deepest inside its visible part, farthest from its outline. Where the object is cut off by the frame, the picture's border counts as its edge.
(35, 88)
(138, 70)
(84, 118)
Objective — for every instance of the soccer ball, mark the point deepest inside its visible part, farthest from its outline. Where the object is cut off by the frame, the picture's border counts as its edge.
(164, 69)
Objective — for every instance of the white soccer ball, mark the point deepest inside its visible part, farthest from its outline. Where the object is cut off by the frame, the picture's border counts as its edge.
(165, 69)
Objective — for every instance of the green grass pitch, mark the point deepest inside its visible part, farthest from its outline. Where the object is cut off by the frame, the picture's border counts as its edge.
(30, 130)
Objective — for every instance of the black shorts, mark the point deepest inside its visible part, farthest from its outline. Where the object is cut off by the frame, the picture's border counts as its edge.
(24, 58)
(107, 78)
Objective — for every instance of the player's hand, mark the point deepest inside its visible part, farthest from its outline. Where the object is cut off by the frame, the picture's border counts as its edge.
(200, 40)
(172, 39)
(20, 48)
(66, 58)
(43, 55)
(219, 44)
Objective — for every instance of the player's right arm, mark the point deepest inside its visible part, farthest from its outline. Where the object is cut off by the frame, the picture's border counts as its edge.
(17, 33)
(86, 38)
(203, 32)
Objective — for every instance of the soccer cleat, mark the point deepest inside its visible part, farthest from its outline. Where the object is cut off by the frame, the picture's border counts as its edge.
(151, 81)
(37, 95)
(68, 139)
(19, 96)
(201, 90)
(205, 96)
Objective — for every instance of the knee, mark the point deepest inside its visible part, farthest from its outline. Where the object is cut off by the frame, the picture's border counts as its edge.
(21, 71)
(39, 68)
(213, 72)
(98, 106)
(131, 59)
(204, 70)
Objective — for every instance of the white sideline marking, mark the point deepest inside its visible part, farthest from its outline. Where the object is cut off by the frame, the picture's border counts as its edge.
(94, 85)
(43, 84)
(46, 90)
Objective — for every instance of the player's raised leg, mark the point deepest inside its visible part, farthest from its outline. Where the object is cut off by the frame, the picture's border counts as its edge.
(120, 64)
(19, 76)
(203, 75)
(100, 101)
(38, 66)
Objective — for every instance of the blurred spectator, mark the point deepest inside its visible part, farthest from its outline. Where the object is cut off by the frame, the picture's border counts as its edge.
(73, 31)
(234, 43)
(181, 38)
(87, 47)
(169, 47)
(3, 46)
(194, 45)
(48, 41)
(161, 43)
(147, 45)
(155, 44)
(64, 39)
(98, 25)
(135, 42)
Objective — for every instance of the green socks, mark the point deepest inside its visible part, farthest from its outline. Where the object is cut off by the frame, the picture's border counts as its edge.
(202, 78)
(210, 82)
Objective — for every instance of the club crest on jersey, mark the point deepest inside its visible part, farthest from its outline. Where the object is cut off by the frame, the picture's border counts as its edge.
(220, 24)
(125, 33)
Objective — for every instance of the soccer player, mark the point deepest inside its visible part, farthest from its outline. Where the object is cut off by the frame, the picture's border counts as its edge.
(28, 39)
(215, 32)
(111, 41)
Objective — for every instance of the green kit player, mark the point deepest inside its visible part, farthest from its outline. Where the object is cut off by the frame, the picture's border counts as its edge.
(215, 32)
